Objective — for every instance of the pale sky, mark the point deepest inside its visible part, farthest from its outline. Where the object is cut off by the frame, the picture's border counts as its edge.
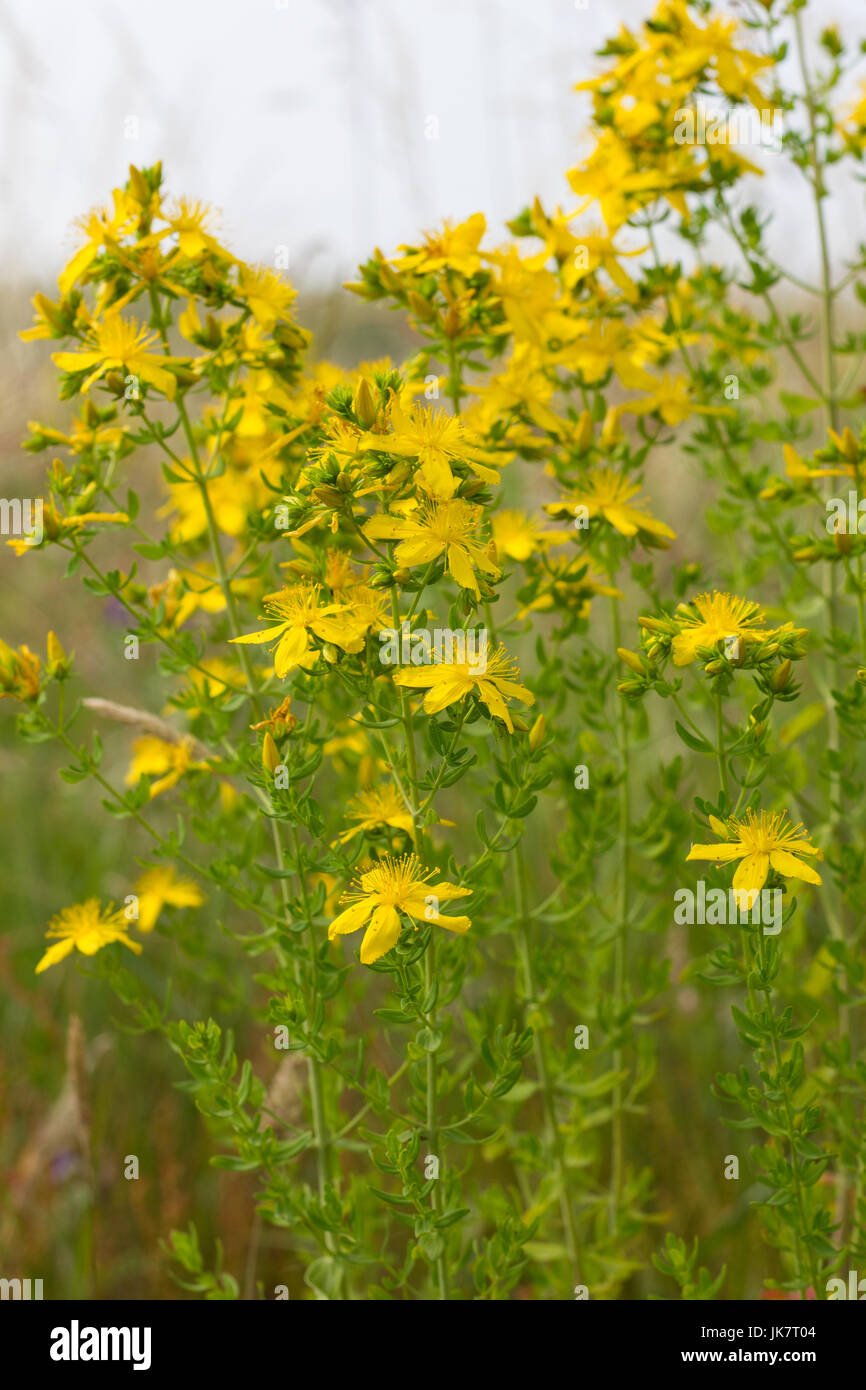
(308, 122)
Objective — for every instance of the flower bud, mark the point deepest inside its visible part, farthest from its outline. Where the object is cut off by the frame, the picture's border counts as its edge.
(782, 676)
(389, 278)
(537, 733)
(421, 307)
(138, 187)
(611, 431)
(364, 404)
(58, 663)
(330, 653)
(656, 625)
(631, 660)
(584, 434)
(270, 754)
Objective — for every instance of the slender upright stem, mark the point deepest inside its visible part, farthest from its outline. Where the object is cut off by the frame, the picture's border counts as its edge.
(554, 1135)
(830, 581)
(431, 1080)
(617, 1166)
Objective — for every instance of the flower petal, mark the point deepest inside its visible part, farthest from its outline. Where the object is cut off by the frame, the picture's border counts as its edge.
(791, 867)
(352, 918)
(381, 935)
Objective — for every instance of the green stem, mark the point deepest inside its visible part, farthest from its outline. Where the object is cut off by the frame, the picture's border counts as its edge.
(555, 1139)
(429, 962)
(831, 413)
(617, 1168)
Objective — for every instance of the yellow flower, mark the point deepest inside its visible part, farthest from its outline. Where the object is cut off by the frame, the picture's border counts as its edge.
(516, 535)
(522, 386)
(389, 888)
(233, 495)
(189, 219)
(609, 494)
(718, 616)
(604, 345)
(434, 438)
(19, 673)
(610, 177)
(300, 613)
(270, 298)
(671, 399)
(454, 248)
(120, 345)
(764, 841)
(160, 886)
(47, 321)
(85, 928)
(529, 296)
(157, 757)
(447, 682)
(102, 228)
(185, 592)
(377, 807)
(439, 528)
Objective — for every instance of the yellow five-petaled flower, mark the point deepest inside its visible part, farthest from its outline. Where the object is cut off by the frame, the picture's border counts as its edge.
(390, 888)
(762, 842)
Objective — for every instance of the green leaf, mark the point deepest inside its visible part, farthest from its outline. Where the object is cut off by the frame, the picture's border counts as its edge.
(699, 745)
(797, 405)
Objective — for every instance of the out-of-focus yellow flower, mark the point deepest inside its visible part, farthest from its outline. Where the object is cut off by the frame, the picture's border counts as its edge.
(86, 927)
(672, 400)
(102, 228)
(19, 673)
(161, 887)
(157, 757)
(269, 296)
(516, 535)
(374, 808)
(189, 219)
(610, 495)
(451, 248)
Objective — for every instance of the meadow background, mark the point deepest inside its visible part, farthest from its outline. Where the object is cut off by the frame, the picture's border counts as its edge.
(309, 124)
